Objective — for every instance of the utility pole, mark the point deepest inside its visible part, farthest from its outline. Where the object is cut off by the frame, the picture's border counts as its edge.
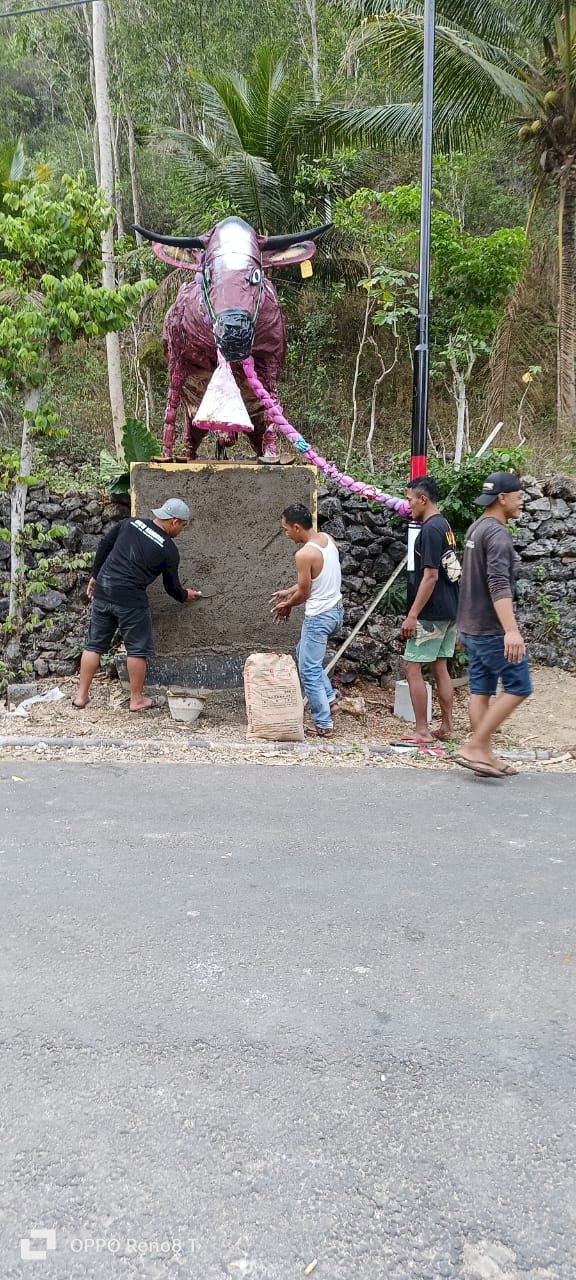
(419, 441)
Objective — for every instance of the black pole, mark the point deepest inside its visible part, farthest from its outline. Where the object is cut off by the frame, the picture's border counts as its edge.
(419, 443)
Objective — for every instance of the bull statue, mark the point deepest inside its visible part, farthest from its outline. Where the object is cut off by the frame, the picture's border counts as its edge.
(228, 312)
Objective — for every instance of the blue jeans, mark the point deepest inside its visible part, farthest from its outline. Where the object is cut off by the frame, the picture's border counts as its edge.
(310, 654)
(487, 665)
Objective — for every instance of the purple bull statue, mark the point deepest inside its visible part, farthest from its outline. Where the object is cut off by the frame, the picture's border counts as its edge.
(231, 311)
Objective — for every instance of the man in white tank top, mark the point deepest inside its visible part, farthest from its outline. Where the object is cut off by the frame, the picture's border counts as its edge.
(319, 589)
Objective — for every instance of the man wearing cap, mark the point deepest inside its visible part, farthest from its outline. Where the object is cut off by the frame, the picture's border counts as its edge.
(131, 555)
(487, 624)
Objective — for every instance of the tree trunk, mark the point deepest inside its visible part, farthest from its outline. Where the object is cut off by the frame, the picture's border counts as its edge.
(117, 183)
(566, 344)
(17, 515)
(133, 172)
(103, 116)
(148, 393)
(314, 57)
(459, 393)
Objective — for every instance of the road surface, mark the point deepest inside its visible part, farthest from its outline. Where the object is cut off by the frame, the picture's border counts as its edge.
(256, 1018)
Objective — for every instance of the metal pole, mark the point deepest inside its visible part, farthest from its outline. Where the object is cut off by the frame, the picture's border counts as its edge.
(419, 442)
(421, 350)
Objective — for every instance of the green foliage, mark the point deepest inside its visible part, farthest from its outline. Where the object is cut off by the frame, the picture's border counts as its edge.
(49, 277)
(470, 276)
(549, 614)
(139, 445)
(263, 146)
(458, 487)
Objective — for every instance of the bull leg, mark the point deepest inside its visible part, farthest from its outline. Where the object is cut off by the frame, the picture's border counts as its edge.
(177, 380)
(192, 435)
(269, 451)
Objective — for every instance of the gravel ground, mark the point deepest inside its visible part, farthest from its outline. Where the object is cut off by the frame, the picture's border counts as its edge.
(546, 722)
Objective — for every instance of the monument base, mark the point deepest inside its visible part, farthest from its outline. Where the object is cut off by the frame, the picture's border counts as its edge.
(235, 553)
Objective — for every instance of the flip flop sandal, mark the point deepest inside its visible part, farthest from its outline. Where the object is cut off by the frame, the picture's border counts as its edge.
(153, 705)
(79, 706)
(426, 748)
(480, 768)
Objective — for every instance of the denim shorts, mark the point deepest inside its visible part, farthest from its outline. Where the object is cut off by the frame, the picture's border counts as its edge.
(487, 665)
(134, 625)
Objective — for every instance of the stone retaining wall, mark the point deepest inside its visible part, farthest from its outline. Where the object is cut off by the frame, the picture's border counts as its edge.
(56, 640)
(371, 543)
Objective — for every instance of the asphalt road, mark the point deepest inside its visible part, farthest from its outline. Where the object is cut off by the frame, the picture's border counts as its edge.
(255, 1017)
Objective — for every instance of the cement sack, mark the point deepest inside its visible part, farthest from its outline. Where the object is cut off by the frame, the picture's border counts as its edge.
(274, 703)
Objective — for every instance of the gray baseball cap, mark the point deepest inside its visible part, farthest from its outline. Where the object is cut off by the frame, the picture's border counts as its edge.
(172, 509)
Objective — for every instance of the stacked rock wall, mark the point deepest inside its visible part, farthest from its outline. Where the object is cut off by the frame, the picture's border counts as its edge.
(55, 642)
(372, 544)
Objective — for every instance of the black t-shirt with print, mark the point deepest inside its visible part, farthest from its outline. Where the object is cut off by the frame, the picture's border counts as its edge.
(434, 540)
(132, 554)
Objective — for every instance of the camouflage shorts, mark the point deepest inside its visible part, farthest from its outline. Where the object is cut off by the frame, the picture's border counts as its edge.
(433, 640)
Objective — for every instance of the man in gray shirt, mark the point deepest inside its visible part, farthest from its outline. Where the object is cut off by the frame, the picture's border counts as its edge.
(487, 624)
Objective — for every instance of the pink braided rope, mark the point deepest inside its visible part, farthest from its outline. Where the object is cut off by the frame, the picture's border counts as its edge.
(369, 491)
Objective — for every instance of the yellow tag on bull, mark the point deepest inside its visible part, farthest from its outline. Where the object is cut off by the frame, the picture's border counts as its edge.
(306, 270)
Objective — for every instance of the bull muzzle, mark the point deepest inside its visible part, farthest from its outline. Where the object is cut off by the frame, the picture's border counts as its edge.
(234, 333)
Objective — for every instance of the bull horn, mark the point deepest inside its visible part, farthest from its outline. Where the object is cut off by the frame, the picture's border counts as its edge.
(178, 242)
(297, 237)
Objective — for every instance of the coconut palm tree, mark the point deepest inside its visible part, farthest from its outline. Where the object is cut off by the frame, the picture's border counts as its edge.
(497, 61)
(251, 132)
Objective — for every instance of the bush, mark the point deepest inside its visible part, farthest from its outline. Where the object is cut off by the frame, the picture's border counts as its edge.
(458, 486)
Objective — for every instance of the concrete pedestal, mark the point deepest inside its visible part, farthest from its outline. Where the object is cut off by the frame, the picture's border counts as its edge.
(233, 551)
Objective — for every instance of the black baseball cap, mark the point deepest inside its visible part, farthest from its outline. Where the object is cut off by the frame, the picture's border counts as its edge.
(498, 482)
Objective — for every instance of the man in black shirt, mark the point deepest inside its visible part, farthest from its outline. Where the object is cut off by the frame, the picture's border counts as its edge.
(132, 554)
(429, 626)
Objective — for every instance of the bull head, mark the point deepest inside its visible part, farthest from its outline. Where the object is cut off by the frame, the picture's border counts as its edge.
(232, 260)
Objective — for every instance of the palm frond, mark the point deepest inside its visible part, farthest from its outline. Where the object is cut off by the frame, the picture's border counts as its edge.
(527, 326)
(393, 126)
(155, 305)
(252, 186)
(224, 105)
(187, 148)
(510, 23)
(477, 75)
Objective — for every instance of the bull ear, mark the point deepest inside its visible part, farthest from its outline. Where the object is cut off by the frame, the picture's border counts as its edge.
(188, 259)
(177, 242)
(289, 257)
